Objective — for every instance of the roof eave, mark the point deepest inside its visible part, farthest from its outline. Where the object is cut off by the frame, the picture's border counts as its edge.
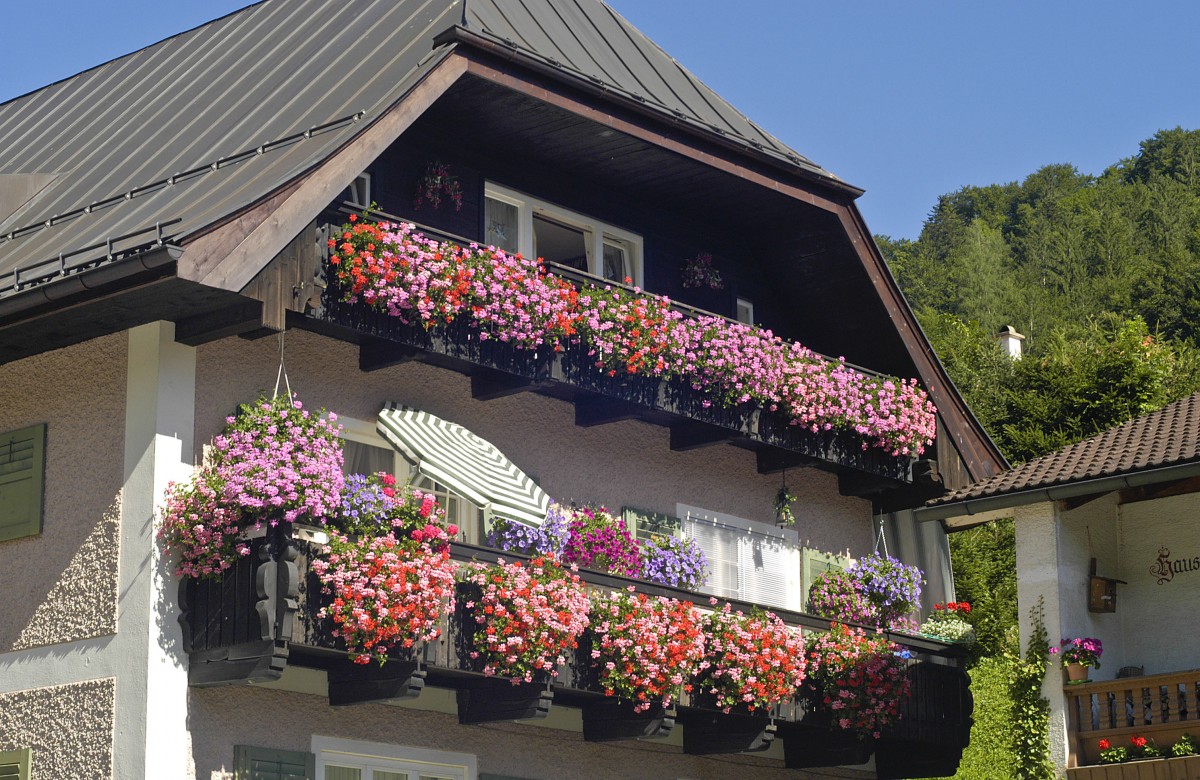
(970, 512)
(460, 34)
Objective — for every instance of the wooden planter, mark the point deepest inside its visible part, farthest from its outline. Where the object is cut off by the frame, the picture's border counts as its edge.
(609, 720)
(709, 733)
(351, 683)
(493, 699)
(1183, 768)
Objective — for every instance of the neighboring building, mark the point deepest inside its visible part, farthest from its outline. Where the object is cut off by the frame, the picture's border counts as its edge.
(161, 213)
(1122, 506)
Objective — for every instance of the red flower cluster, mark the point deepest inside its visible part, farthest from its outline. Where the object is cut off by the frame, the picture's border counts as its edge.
(1105, 744)
(753, 661)
(954, 606)
(645, 649)
(863, 679)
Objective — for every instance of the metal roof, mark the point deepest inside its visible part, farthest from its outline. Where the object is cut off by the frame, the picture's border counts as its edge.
(163, 142)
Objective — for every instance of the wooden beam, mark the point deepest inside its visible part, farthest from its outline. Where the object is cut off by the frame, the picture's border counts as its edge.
(692, 436)
(222, 323)
(859, 484)
(490, 385)
(602, 410)
(773, 460)
(374, 355)
(1149, 492)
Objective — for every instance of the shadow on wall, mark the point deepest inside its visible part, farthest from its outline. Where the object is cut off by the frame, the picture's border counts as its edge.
(82, 603)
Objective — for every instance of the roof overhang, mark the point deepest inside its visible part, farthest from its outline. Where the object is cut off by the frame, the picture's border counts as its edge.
(961, 515)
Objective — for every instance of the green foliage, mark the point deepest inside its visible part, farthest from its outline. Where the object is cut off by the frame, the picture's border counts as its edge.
(1031, 710)
(985, 559)
(990, 755)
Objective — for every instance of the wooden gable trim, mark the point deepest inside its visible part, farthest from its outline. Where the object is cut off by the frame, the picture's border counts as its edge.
(230, 256)
(980, 455)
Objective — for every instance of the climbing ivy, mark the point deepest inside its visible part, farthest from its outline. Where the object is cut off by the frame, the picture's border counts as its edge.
(1031, 710)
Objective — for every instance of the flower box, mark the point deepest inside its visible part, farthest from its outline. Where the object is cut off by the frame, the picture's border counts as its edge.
(488, 700)
(609, 720)
(707, 732)
(351, 683)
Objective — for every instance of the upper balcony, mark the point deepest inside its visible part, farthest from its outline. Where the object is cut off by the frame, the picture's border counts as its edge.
(262, 616)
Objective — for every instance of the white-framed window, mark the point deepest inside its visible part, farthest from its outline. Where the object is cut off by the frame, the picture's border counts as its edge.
(745, 311)
(359, 192)
(516, 222)
(747, 560)
(350, 759)
(367, 452)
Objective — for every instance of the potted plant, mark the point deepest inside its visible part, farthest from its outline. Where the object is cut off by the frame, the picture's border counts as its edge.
(948, 623)
(839, 595)
(892, 586)
(1077, 655)
(598, 540)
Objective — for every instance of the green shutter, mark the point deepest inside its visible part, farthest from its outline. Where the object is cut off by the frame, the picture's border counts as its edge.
(645, 524)
(257, 763)
(814, 563)
(16, 764)
(22, 473)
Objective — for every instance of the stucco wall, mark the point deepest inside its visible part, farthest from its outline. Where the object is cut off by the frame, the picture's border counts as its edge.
(1160, 628)
(622, 464)
(61, 586)
(1086, 532)
(223, 717)
(68, 727)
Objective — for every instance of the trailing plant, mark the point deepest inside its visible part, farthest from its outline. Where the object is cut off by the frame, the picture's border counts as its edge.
(784, 499)
(598, 540)
(645, 649)
(387, 592)
(274, 462)
(1031, 710)
(752, 661)
(545, 539)
(839, 595)
(438, 183)
(399, 271)
(528, 617)
(893, 587)
(862, 680)
(669, 560)
(699, 271)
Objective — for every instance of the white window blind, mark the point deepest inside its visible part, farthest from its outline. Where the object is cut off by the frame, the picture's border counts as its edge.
(749, 561)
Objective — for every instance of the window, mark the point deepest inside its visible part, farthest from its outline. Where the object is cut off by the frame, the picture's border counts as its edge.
(749, 561)
(344, 759)
(816, 563)
(259, 763)
(643, 524)
(516, 222)
(359, 192)
(16, 764)
(22, 477)
(367, 452)
(745, 311)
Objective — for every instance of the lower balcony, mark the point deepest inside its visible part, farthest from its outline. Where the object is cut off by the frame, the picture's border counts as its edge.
(1160, 708)
(262, 616)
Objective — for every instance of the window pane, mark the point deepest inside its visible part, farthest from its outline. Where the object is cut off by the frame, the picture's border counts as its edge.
(558, 243)
(382, 774)
(342, 773)
(616, 266)
(367, 459)
(500, 224)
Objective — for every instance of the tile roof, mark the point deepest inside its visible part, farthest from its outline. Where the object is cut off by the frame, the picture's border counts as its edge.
(180, 135)
(1167, 437)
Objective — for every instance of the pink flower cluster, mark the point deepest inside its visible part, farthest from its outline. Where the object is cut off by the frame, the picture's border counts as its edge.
(863, 679)
(398, 270)
(529, 616)
(385, 594)
(645, 649)
(597, 540)
(753, 661)
(200, 528)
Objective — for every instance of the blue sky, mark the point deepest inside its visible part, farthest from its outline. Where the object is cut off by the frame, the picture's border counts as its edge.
(906, 99)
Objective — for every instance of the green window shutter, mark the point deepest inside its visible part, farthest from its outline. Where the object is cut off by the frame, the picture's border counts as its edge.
(814, 563)
(16, 764)
(645, 524)
(22, 474)
(257, 763)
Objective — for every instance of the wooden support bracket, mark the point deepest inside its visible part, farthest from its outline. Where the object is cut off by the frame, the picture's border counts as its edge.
(601, 410)
(692, 436)
(374, 355)
(490, 385)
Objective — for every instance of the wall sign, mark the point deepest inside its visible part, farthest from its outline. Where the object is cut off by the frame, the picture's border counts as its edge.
(1166, 567)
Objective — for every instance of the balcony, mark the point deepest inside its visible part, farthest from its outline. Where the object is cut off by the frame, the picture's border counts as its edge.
(261, 617)
(497, 370)
(1161, 707)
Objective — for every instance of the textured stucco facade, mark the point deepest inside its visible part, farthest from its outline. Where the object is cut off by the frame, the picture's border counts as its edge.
(69, 729)
(61, 586)
(626, 463)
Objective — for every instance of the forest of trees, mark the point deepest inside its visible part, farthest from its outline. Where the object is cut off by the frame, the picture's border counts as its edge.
(1102, 276)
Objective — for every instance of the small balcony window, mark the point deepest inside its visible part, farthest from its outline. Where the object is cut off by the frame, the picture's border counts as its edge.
(516, 222)
(745, 311)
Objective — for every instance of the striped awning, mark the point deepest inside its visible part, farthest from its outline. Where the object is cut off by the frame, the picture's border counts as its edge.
(466, 464)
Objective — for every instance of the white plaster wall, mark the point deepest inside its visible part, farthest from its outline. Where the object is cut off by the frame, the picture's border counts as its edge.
(61, 586)
(1160, 629)
(1086, 532)
(242, 715)
(622, 464)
